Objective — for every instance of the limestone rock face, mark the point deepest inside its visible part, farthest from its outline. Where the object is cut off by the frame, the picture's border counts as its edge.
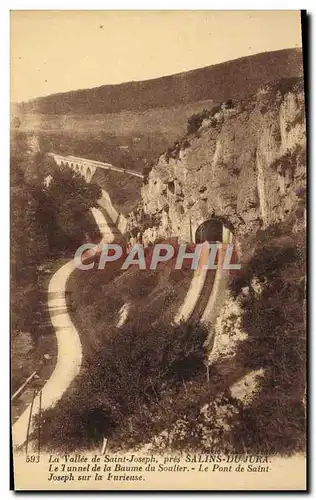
(245, 163)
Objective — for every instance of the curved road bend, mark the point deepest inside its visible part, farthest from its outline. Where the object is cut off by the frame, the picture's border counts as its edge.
(220, 282)
(192, 296)
(69, 356)
(205, 283)
(195, 289)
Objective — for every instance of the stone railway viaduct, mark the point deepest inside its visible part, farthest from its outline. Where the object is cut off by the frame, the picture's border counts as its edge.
(209, 228)
(87, 167)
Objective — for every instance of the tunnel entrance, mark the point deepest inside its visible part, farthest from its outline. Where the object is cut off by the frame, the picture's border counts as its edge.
(210, 230)
(214, 229)
(217, 229)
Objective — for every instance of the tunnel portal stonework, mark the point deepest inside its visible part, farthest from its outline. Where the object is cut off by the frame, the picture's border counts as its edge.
(213, 229)
(197, 228)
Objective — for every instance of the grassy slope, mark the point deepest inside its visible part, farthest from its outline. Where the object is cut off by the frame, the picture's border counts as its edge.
(95, 300)
(143, 377)
(126, 123)
(98, 295)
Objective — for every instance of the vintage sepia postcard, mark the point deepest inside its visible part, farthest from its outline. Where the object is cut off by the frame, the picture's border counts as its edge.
(158, 250)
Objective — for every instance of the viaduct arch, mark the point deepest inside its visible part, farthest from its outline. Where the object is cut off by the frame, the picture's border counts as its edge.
(88, 167)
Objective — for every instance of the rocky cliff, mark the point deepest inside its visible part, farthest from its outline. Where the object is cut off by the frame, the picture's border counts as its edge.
(242, 162)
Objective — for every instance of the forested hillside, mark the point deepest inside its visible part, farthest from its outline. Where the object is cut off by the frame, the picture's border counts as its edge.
(232, 79)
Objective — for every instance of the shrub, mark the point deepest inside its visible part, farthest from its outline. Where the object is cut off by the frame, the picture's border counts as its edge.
(185, 143)
(288, 162)
(300, 117)
(216, 109)
(195, 121)
(174, 151)
(276, 134)
(229, 104)
(137, 365)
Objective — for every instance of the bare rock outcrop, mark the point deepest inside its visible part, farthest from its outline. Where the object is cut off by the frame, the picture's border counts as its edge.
(244, 163)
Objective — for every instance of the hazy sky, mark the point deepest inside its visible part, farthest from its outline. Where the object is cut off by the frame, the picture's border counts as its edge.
(56, 51)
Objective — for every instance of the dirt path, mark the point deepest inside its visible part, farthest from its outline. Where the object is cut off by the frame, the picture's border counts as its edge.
(69, 356)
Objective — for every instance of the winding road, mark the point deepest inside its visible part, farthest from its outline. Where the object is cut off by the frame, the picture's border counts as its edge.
(69, 347)
(69, 357)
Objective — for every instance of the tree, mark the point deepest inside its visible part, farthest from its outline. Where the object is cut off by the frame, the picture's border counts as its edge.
(15, 122)
(65, 206)
(45, 219)
(28, 242)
